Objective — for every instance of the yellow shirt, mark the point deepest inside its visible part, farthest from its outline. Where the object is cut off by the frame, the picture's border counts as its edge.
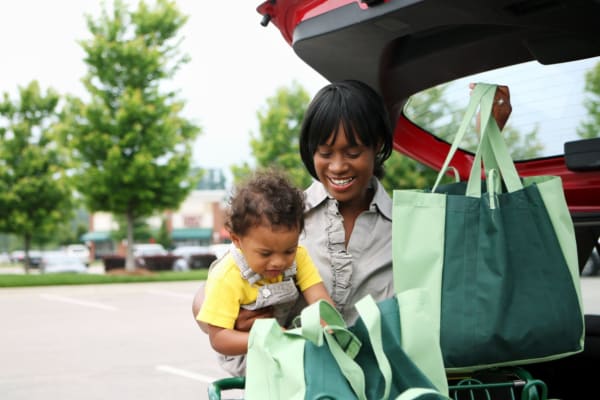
(226, 290)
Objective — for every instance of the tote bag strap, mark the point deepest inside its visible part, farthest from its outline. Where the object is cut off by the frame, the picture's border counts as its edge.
(371, 317)
(492, 149)
(421, 393)
(474, 100)
(342, 343)
(311, 317)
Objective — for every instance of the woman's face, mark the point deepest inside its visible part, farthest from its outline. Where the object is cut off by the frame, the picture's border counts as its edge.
(345, 170)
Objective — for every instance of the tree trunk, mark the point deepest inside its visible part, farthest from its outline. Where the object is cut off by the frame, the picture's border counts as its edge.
(26, 260)
(129, 259)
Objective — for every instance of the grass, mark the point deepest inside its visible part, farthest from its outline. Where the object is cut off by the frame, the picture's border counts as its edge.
(22, 280)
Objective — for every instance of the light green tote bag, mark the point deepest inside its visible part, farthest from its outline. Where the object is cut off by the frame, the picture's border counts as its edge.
(365, 361)
(498, 256)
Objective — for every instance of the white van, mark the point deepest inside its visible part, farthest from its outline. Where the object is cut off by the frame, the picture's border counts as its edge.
(80, 251)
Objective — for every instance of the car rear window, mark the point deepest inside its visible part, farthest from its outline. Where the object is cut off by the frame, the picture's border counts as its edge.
(550, 106)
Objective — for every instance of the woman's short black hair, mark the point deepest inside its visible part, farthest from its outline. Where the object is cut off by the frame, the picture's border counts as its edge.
(359, 109)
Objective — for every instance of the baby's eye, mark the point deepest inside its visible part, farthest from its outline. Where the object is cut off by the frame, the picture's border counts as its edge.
(265, 254)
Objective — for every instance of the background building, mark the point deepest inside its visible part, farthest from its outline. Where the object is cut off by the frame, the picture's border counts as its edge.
(198, 221)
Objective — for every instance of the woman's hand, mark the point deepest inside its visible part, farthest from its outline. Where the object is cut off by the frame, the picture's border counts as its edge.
(246, 318)
(502, 108)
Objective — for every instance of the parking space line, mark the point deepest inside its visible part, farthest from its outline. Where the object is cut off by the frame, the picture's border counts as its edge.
(171, 294)
(78, 302)
(185, 374)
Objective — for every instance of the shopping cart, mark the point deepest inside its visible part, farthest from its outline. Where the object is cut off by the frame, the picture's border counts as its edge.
(512, 383)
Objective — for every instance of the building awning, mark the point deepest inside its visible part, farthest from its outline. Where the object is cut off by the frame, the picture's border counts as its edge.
(95, 237)
(191, 233)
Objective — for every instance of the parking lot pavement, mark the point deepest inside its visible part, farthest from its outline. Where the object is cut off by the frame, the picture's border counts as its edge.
(118, 341)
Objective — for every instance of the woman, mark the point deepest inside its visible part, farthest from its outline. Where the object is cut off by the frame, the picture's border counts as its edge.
(345, 138)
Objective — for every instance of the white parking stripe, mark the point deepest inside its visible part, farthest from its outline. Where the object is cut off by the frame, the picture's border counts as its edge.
(185, 374)
(171, 294)
(71, 300)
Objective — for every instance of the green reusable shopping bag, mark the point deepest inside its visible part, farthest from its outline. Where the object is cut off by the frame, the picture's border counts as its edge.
(331, 362)
(499, 255)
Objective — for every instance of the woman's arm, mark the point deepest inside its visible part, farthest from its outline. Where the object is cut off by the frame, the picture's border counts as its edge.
(228, 341)
(197, 305)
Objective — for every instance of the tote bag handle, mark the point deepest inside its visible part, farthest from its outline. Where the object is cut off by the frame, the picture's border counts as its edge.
(491, 149)
(342, 343)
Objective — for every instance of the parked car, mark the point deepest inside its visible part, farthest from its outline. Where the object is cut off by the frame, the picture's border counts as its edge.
(149, 249)
(219, 249)
(18, 256)
(412, 52)
(194, 257)
(79, 250)
(61, 261)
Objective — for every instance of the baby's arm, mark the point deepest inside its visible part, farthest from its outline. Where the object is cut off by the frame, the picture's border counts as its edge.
(228, 342)
(317, 292)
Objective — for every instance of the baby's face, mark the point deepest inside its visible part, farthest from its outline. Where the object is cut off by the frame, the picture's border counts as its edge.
(269, 250)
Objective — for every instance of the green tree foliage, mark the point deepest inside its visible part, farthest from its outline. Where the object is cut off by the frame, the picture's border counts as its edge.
(428, 107)
(164, 236)
(141, 229)
(276, 144)
(590, 128)
(35, 197)
(133, 145)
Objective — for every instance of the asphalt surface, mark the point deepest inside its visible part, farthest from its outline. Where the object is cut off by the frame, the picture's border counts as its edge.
(117, 341)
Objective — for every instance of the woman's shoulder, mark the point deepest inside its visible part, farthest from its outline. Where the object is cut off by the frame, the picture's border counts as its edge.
(381, 199)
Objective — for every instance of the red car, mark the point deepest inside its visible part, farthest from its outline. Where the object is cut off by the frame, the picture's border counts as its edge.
(546, 51)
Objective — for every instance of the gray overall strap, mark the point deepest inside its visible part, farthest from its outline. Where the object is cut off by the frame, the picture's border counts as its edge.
(251, 276)
(270, 294)
(247, 273)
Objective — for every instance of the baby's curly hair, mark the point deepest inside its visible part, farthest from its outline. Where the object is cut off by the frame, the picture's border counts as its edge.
(265, 198)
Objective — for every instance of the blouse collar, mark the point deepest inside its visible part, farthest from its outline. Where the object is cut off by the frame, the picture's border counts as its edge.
(381, 202)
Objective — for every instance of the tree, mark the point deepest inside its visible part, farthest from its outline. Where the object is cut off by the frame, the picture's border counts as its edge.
(590, 128)
(277, 143)
(133, 146)
(35, 197)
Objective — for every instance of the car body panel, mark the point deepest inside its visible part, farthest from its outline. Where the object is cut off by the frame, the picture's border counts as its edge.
(403, 47)
(61, 262)
(392, 47)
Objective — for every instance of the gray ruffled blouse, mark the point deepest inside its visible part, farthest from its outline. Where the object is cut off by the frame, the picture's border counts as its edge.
(365, 266)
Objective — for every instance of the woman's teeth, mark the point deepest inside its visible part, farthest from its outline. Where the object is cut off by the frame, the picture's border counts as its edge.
(341, 181)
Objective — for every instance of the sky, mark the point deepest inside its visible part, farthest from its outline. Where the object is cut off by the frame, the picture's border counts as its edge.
(236, 64)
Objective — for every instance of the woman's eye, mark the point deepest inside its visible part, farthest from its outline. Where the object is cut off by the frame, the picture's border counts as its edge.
(354, 154)
(324, 154)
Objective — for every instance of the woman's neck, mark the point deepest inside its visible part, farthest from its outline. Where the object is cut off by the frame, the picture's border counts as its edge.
(351, 210)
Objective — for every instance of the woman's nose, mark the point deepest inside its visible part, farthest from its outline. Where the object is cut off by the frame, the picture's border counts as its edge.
(337, 163)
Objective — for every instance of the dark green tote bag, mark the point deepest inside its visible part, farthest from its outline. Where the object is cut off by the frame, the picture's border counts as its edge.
(365, 361)
(498, 254)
